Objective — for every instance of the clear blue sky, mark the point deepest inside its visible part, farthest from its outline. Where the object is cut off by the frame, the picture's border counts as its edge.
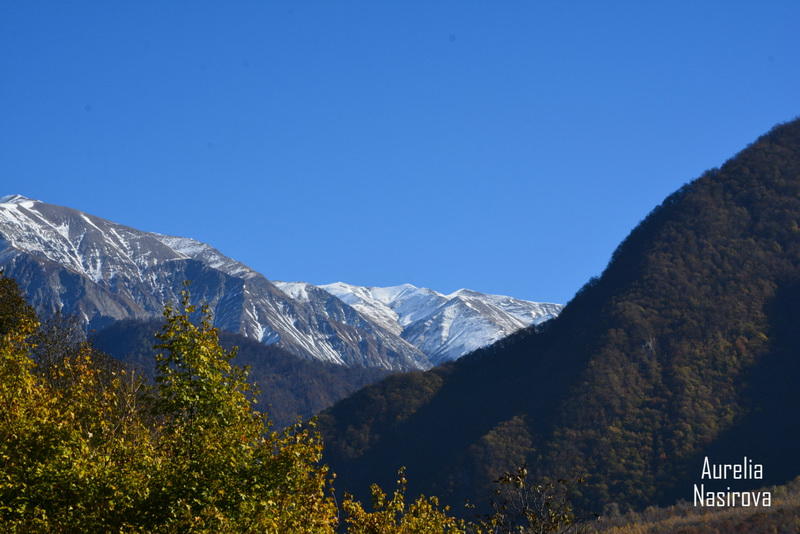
(502, 146)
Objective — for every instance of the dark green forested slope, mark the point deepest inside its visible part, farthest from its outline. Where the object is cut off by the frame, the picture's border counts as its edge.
(290, 387)
(688, 344)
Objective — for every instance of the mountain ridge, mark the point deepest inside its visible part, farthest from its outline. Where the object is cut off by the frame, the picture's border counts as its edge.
(76, 263)
(444, 327)
(69, 261)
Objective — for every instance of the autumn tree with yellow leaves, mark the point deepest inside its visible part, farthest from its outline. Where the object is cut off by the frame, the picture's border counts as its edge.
(85, 448)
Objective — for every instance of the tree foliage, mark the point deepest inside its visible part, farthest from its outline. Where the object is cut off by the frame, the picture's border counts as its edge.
(394, 515)
(75, 455)
(15, 312)
(221, 467)
(87, 447)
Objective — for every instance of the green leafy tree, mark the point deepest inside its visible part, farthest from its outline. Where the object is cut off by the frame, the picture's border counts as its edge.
(222, 468)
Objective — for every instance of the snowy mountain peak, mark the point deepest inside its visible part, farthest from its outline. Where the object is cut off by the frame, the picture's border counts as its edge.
(444, 327)
(98, 248)
(88, 245)
(297, 290)
(18, 200)
(463, 292)
(403, 292)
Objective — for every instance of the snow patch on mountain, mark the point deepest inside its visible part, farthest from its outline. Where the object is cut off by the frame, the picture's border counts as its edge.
(444, 327)
(191, 248)
(369, 305)
(296, 290)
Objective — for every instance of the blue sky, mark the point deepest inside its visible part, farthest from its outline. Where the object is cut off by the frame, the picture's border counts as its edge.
(507, 147)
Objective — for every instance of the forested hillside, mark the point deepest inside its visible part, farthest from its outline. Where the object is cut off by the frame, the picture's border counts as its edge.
(685, 346)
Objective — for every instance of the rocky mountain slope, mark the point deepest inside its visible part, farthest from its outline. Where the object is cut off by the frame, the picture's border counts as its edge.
(75, 263)
(69, 261)
(445, 327)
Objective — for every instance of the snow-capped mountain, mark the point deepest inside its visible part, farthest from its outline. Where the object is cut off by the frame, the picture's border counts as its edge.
(444, 327)
(324, 304)
(392, 307)
(69, 261)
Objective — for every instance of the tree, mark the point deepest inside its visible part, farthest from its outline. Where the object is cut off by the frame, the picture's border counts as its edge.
(524, 507)
(14, 310)
(394, 516)
(223, 469)
(74, 456)
(87, 447)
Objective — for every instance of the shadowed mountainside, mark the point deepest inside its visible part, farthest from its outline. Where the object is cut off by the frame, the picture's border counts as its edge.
(685, 346)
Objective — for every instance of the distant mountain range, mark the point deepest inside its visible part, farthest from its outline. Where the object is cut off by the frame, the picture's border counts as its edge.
(76, 263)
(444, 327)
